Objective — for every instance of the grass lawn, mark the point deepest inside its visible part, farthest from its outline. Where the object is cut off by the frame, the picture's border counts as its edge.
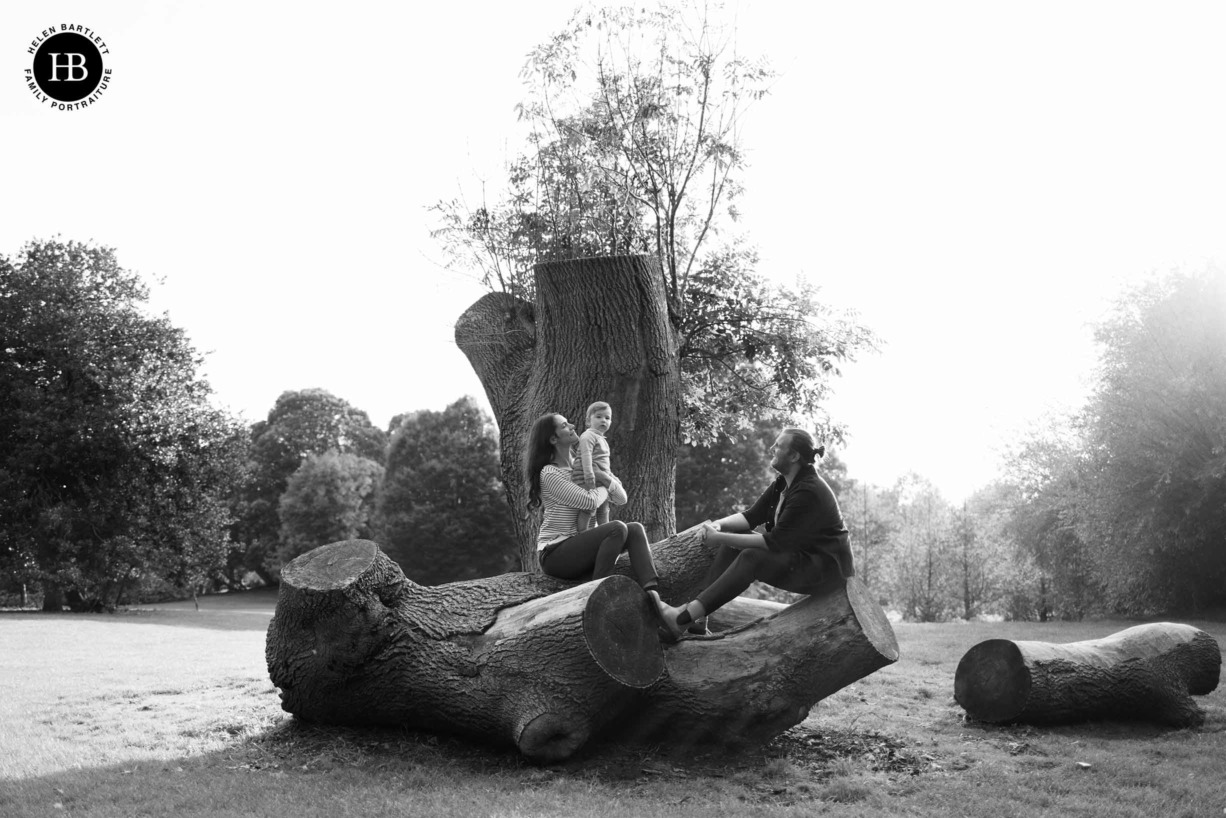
(168, 710)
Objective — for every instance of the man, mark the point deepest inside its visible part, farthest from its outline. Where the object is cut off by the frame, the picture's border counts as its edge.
(802, 550)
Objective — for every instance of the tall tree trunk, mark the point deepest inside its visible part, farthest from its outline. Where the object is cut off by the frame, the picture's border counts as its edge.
(599, 330)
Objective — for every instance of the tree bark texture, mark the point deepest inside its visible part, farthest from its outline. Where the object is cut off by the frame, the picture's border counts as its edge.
(355, 642)
(1147, 672)
(599, 330)
(547, 665)
(750, 682)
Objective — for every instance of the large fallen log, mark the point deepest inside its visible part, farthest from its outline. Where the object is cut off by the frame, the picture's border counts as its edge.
(1147, 672)
(354, 642)
(547, 665)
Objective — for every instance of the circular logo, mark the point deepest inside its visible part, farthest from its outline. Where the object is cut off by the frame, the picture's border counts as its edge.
(68, 67)
(67, 71)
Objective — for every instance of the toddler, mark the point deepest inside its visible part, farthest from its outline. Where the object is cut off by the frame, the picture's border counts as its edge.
(593, 458)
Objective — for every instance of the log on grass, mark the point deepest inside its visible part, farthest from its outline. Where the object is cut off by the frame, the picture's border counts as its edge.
(1147, 672)
(355, 642)
(547, 665)
(750, 682)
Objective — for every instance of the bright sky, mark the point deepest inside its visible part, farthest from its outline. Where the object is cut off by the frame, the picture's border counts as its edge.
(976, 179)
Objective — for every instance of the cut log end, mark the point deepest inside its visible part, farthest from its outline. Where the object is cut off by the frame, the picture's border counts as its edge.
(1206, 666)
(330, 567)
(992, 682)
(873, 621)
(622, 634)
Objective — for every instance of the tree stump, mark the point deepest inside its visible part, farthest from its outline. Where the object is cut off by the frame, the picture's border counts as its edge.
(1147, 672)
(546, 665)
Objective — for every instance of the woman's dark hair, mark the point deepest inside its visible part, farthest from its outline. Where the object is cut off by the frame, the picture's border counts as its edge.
(803, 445)
(538, 453)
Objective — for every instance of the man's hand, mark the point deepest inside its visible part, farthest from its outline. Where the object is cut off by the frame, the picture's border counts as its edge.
(714, 534)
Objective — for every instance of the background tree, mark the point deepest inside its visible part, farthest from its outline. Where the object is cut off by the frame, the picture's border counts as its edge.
(301, 423)
(1155, 434)
(982, 553)
(724, 477)
(751, 348)
(729, 475)
(113, 465)
(442, 513)
(868, 517)
(633, 118)
(834, 471)
(634, 146)
(921, 565)
(1120, 505)
(1045, 480)
(329, 498)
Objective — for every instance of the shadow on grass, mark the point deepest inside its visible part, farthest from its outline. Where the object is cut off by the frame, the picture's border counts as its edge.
(297, 768)
(292, 769)
(1104, 729)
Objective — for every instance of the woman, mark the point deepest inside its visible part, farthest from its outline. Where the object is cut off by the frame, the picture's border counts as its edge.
(563, 550)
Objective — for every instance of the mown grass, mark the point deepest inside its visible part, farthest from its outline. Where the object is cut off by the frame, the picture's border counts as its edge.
(168, 711)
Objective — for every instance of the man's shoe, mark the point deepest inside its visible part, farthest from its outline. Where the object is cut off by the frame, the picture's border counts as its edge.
(699, 627)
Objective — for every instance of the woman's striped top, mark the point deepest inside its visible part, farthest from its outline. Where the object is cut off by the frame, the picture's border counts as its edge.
(562, 501)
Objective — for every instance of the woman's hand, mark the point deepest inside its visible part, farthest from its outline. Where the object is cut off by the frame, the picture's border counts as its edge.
(707, 528)
(603, 478)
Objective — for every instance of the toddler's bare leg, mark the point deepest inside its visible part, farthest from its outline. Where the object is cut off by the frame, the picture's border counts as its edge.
(602, 514)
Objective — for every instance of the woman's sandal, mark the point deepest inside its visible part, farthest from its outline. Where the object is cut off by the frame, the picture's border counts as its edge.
(668, 617)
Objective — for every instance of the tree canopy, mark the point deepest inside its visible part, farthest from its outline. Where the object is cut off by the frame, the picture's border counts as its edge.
(113, 465)
(1125, 510)
(724, 478)
(1155, 436)
(330, 497)
(1044, 478)
(634, 145)
(302, 423)
(442, 513)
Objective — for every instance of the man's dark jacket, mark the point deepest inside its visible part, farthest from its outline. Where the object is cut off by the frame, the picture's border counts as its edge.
(809, 519)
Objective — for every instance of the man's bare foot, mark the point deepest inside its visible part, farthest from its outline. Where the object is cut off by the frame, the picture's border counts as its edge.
(668, 616)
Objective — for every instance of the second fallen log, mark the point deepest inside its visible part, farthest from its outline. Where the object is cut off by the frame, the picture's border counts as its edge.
(1147, 672)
